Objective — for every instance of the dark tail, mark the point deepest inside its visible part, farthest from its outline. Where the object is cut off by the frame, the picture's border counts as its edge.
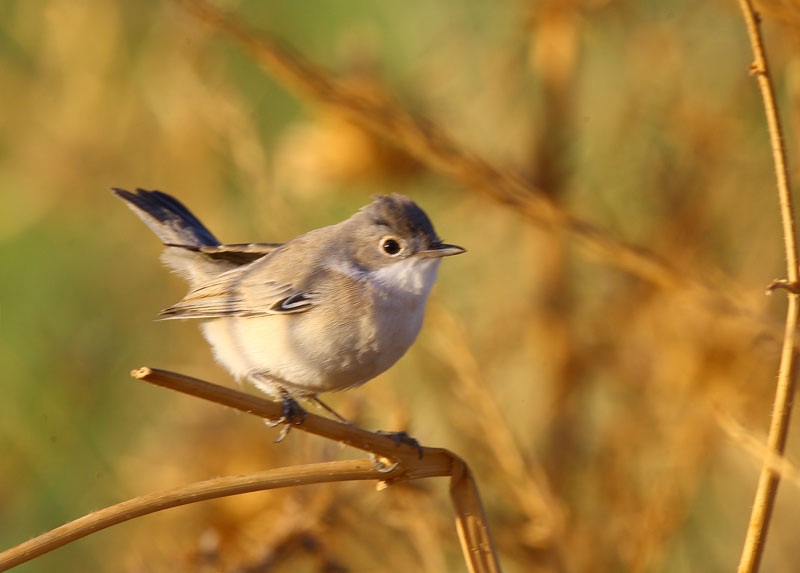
(168, 218)
(181, 232)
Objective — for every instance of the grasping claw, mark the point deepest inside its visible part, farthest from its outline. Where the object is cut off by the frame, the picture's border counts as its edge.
(291, 413)
(379, 465)
(401, 438)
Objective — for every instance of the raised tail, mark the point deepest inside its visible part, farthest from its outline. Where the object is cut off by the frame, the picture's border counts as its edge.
(181, 232)
(192, 250)
(168, 218)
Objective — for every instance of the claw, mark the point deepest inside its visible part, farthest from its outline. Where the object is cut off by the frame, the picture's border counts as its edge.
(291, 413)
(379, 465)
(283, 433)
(401, 438)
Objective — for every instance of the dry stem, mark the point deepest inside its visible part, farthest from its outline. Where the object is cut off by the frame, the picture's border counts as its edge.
(769, 479)
(192, 493)
(473, 530)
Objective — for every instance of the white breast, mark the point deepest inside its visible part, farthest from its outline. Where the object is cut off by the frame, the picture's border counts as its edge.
(306, 354)
(400, 312)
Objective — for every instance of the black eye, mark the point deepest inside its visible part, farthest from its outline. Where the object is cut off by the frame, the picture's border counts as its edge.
(390, 246)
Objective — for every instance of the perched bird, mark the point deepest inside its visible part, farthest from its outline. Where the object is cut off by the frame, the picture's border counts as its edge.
(326, 311)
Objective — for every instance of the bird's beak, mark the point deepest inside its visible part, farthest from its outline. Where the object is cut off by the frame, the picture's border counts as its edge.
(442, 250)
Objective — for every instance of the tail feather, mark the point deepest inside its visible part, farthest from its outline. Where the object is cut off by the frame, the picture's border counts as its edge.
(168, 218)
(181, 232)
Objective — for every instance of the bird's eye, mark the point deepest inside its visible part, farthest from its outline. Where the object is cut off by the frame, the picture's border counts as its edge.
(390, 246)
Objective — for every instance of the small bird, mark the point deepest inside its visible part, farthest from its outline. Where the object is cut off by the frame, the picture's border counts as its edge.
(326, 311)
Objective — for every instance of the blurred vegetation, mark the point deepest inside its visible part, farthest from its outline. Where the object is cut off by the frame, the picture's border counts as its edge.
(606, 420)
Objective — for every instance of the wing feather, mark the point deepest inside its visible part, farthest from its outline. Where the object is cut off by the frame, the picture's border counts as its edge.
(268, 285)
(237, 293)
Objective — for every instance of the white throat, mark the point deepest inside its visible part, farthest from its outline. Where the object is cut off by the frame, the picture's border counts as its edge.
(412, 275)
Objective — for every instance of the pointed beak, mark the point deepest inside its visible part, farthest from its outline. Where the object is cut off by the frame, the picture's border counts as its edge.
(441, 250)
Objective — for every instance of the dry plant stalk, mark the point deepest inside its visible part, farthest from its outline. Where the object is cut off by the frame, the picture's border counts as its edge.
(473, 530)
(769, 478)
(192, 493)
(528, 485)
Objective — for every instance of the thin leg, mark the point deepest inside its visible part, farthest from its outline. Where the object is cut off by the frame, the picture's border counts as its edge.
(328, 409)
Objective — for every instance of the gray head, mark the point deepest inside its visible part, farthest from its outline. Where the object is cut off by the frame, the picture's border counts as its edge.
(393, 228)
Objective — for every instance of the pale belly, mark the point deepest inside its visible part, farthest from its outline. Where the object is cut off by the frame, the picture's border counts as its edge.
(304, 355)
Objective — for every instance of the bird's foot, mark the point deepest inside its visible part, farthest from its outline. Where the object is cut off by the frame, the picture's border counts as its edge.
(402, 438)
(291, 413)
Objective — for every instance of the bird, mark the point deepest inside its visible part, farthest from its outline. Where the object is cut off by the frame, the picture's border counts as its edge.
(325, 311)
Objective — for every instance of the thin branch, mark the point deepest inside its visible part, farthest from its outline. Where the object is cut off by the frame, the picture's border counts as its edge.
(769, 478)
(526, 479)
(196, 492)
(382, 445)
(473, 530)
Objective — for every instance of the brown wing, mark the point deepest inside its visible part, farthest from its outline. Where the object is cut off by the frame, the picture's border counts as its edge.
(240, 293)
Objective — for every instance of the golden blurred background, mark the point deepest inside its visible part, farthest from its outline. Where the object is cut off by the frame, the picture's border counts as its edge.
(612, 425)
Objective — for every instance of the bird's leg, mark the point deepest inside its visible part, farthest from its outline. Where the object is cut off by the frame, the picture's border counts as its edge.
(314, 398)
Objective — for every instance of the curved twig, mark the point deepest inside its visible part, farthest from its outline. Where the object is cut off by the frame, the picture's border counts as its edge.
(192, 493)
(473, 530)
(769, 478)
